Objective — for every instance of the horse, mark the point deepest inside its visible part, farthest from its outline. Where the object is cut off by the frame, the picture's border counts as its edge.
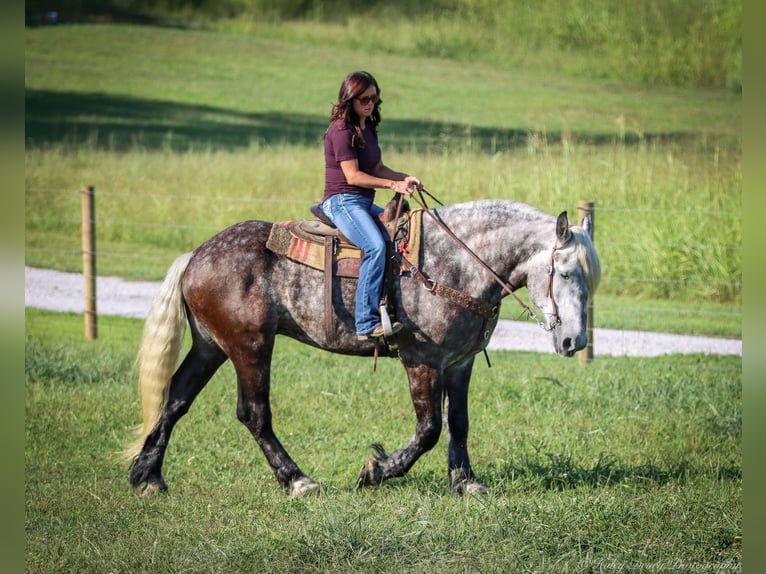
(236, 296)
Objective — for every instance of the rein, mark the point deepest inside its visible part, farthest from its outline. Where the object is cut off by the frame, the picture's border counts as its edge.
(431, 285)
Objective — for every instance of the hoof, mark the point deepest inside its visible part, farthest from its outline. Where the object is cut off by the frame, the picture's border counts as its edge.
(470, 487)
(303, 486)
(153, 488)
(370, 474)
(462, 481)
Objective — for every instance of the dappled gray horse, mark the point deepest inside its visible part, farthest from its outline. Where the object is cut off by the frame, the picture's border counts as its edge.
(237, 296)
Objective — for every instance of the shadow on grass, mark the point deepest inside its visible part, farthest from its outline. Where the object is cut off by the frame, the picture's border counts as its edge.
(556, 472)
(553, 472)
(119, 123)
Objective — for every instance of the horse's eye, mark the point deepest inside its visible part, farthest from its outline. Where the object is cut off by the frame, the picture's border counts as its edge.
(565, 276)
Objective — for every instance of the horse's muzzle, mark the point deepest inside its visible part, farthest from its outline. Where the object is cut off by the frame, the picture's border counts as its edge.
(568, 346)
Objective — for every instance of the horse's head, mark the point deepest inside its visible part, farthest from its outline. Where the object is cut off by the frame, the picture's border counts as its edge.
(561, 282)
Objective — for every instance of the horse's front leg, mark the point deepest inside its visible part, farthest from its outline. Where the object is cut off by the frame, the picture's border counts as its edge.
(461, 477)
(426, 394)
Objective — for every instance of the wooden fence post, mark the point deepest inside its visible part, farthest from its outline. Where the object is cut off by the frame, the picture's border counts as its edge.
(89, 260)
(585, 209)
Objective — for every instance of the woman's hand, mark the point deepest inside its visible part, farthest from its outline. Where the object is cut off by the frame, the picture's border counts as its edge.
(407, 186)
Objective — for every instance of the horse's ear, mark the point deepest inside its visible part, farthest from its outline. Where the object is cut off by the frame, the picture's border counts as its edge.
(562, 228)
(587, 225)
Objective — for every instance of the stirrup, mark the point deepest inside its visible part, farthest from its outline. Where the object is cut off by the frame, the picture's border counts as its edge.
(388, 329)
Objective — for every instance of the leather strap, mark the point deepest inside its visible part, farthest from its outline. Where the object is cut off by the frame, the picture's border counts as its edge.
(460, 298)
(329, 246)
(556, 320)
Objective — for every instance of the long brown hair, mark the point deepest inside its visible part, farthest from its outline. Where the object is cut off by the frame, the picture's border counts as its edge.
(355, 84)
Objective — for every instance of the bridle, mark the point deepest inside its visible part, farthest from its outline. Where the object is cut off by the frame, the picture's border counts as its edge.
(507, 287)
(549, 293)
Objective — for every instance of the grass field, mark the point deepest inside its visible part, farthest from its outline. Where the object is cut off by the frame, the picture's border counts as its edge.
(633, 463)
(628, 464)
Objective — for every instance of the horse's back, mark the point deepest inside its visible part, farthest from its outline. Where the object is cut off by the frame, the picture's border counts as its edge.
(242, 239)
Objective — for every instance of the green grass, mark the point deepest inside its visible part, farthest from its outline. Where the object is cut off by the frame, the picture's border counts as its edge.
(281, 88)
(654, 42)
(627, 461)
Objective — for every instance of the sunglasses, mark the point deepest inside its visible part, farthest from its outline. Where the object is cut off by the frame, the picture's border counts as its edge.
(366, 100)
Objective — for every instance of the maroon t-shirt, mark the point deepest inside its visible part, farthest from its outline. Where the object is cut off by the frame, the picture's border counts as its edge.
(337, 148)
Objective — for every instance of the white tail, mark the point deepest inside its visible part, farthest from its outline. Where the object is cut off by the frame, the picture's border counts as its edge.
(160, 349)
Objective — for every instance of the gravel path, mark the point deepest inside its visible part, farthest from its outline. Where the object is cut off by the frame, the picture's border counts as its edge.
(56, 291)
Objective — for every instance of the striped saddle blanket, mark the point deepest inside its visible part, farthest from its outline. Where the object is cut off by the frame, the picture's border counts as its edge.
(318, 245)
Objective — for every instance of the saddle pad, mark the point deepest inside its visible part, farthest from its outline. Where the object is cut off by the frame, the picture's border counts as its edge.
(283, 241)
(295, 241)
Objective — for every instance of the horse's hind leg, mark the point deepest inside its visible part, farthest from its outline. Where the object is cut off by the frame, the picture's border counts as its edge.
(461, 477)
(253, 367)
(190, 378)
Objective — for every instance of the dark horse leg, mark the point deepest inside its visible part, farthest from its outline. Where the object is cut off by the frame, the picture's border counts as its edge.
(427, 388)
(461, 477)
(253, 367)
(195, 371)
(426, 394)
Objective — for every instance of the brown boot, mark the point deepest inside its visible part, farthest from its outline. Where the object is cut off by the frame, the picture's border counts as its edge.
(379, 332)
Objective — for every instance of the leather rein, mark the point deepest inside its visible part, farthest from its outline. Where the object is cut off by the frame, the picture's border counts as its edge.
(466, 301)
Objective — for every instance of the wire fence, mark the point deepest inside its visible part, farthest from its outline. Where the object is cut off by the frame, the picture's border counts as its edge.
(633, 310)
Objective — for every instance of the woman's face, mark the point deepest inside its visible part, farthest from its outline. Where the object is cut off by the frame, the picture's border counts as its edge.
(365, 102)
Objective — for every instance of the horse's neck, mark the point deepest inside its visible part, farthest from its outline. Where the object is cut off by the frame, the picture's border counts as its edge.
(509, 237)
(525, 250)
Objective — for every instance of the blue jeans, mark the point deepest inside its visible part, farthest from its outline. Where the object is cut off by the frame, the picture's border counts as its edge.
(355, 216)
